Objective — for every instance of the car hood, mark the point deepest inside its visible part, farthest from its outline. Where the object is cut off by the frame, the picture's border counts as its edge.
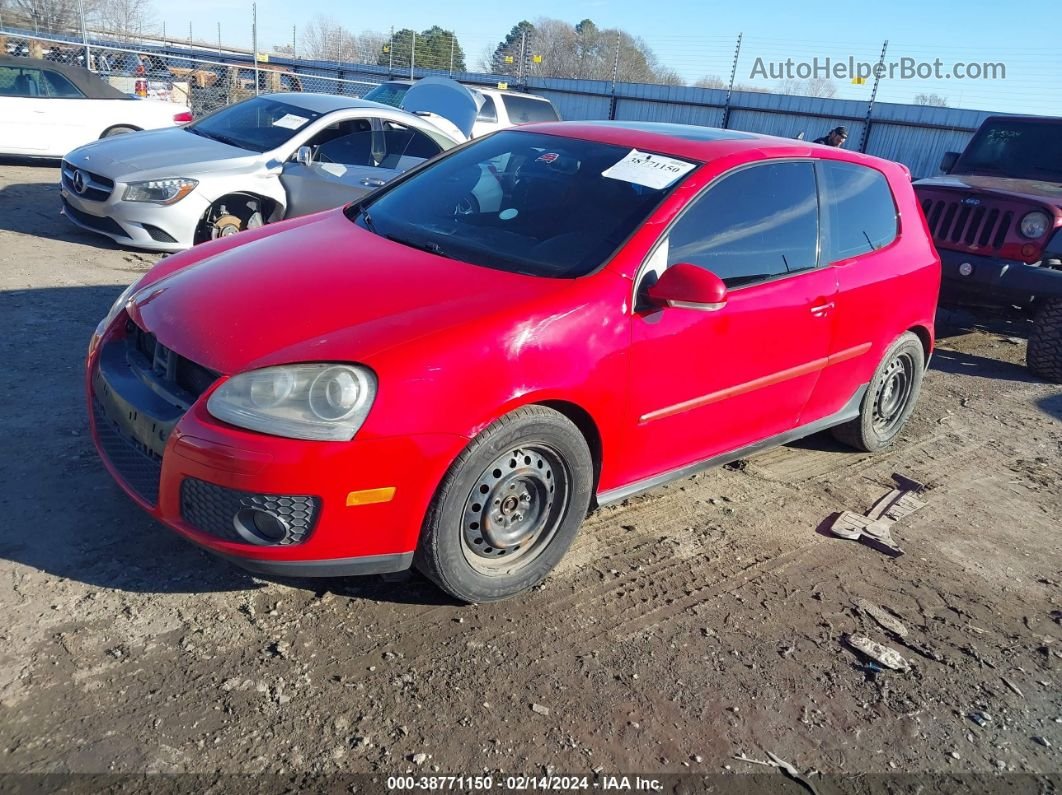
(317, 288)
(172, 152)
(1004, 187)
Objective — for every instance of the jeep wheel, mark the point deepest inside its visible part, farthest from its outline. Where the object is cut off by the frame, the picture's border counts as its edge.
(509, 507)
(1044, 355)
(890, 398)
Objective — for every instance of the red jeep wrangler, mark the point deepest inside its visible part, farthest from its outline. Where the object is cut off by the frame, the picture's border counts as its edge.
(996, 219)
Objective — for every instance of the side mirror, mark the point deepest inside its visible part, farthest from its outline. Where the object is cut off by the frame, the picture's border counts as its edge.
(686, 286)
(947, 163)
(304, 156)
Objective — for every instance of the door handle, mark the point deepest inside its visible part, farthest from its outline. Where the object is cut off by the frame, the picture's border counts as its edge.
(819, 310)
(373, 182)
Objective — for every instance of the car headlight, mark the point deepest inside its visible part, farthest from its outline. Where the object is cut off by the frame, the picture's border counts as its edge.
(1034, 224)
(326, 402)
(112, 313)
(159, 191)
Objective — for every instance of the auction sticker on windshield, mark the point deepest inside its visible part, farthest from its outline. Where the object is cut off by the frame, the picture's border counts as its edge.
(651, 171)
(290, 121)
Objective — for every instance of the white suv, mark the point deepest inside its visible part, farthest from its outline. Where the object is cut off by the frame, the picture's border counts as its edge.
(501, 108)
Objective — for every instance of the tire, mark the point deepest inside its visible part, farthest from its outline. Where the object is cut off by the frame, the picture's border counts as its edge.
(508, 508)
(890, 398)
(1044, 354)
(121, 130)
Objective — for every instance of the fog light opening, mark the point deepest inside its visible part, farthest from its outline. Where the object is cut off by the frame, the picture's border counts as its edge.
(260, 527)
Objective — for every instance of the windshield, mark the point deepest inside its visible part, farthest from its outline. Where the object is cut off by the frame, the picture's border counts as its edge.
(258, 124)
(525, 202)
(1022, 150)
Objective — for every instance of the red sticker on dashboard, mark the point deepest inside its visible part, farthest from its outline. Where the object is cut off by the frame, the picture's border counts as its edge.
(547, 157)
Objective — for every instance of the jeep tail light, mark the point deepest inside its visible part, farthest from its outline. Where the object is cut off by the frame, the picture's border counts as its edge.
(182, 118)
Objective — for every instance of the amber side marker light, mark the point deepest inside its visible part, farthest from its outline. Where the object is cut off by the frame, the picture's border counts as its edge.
(370, 496)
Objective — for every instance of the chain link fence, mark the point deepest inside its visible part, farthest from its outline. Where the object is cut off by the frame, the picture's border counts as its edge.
(203, 83)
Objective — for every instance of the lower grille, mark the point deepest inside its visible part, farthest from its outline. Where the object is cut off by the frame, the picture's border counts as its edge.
(217, 510)
(106, 225)
(139, 468)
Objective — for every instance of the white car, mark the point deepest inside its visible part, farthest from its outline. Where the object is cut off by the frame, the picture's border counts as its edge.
(47, 109)
(498, 109)
(261, 160)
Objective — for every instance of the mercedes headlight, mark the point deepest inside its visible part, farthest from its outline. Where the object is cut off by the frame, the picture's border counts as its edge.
(325, 402)
(159, 191)
(1034, 224)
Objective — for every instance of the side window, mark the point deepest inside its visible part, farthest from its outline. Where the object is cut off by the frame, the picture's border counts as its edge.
(524, 110)
(59, 86)
(20, 82)
(347, 142)
(860, 211)
(755, 224)
(7, 81)
(489, 111)
(406, 146)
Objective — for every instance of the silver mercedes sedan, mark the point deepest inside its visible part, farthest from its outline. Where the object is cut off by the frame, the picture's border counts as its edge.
(262, 160)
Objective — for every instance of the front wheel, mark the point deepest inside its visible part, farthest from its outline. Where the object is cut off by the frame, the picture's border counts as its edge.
(890, 398)
(508, 508)
(1044, 355)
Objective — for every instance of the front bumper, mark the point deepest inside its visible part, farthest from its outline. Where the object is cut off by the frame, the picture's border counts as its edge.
(154, 227)
(994, 281)
(154, 449)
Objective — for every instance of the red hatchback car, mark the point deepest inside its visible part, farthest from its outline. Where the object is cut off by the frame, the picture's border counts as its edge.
(451, 372)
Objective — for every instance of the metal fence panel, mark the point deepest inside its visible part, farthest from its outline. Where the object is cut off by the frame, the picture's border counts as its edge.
(634, 110)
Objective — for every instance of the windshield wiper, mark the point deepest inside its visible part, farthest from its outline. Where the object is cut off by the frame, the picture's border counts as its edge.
(427, 245)
(215, 137)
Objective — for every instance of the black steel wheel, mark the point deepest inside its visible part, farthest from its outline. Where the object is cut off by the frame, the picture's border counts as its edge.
(509, 507)
(890, 397)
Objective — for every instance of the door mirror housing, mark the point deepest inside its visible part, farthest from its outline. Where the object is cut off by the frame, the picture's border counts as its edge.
(947, 163)
(304, 156)
(686, 286)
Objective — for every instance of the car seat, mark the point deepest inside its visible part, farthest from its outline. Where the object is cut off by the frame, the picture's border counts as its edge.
(26, 86)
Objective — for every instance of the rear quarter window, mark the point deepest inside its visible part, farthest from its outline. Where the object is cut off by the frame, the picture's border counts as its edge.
(524, 110)
(860, 211)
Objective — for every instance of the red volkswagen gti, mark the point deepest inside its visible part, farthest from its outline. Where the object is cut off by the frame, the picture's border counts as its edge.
(451, 372)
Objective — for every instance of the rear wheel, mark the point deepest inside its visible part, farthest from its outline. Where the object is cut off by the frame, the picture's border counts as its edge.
(890, 397)
(1044, 355)
(509, 507)
(121, 130)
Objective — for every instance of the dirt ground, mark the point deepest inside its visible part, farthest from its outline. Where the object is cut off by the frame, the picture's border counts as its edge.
(685, 628)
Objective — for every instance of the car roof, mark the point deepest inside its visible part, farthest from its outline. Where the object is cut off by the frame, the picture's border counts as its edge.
(89, 84)
(494, 91)
(691, 141)
(324, 103)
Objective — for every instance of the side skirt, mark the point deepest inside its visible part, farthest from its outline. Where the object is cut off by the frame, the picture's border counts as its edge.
(849, 412)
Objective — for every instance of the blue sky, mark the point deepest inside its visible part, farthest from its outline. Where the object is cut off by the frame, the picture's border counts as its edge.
(697, 38)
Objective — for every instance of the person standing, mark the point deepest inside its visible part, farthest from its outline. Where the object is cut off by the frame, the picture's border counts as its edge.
(835, 137)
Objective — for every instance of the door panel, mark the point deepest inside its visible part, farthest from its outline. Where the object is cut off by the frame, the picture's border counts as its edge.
(704, 383)
(859, 228)
(322, 186)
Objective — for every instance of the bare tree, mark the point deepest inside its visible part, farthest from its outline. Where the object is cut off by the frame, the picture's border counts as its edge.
(50, 16)
(711, 81)
(815, 87)
(820, 87)
(324, 39)
(931, 99)
(126, 18)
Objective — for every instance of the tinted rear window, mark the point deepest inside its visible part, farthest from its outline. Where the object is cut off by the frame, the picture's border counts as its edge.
(524, 110)
(860, 211)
